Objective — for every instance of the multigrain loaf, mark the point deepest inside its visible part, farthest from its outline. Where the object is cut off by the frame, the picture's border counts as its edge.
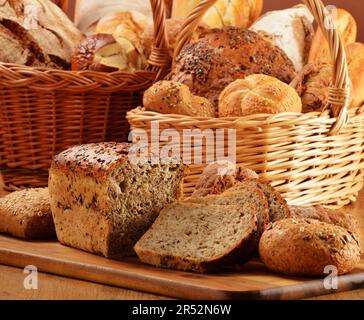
(336, 217)
(221, 56)
(305, 247)
(199, 238)
(103, 202)
(253, 196)
(27, 214)
(278, 208)
(220, 176)
(36, 33)
(173, 97)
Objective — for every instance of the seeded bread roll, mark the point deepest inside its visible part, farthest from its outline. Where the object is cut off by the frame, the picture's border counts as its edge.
(305, 247)
(221, 56)
(27, 214)
(336, 217)
(103, 202)
(198, 237)
(173, 97)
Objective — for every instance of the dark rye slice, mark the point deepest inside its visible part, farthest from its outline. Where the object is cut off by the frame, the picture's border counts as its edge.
(253, 196)
(199, 238)
(278, 208)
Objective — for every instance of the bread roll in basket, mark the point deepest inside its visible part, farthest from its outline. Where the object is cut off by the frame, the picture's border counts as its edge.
(314, 158)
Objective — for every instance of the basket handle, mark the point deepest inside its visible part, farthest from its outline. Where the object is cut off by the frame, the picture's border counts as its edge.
(159, 59)
(339, 93)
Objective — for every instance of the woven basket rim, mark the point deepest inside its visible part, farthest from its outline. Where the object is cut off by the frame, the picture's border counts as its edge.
(140, 114)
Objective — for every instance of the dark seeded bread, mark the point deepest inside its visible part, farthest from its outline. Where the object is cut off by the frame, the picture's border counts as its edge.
(27, 214)
(253, 196)
(197, 237)
(102, 202)
(278, 208)
(305, 247)
(336, 217)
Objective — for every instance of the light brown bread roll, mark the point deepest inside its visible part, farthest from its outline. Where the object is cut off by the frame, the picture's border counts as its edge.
(347, 27)
(175, 98)
(27, 214)
(305, 247)
(257, 94)
(221, 56)
(355, 56)
(336, 217)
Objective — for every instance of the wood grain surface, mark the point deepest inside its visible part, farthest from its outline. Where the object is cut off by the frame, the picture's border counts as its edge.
(252, 281)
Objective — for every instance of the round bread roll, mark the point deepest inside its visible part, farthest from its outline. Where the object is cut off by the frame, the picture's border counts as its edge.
(336, 217)
(175, 98)
(258, 94)
(305, 247)
(355, 55)
(221, 56)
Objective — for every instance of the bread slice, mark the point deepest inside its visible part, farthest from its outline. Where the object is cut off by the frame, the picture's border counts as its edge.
(278, 208)
(27, 214)
(199, 238)
(103, 202)
(253, 196)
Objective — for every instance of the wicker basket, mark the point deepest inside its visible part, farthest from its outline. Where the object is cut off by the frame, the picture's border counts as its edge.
(43, 112)
(314, 158)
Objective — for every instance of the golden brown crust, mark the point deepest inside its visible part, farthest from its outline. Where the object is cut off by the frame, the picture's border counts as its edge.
(347, 28)
(27, 214)
(221, 56)
(355, 57)
(93, 159)
(336, 217)
(305, 247)
(258, 94)
(171, 97)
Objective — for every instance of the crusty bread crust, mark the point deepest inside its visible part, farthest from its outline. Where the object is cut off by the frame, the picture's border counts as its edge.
(27, 214)
(304, 247)
(221, 56)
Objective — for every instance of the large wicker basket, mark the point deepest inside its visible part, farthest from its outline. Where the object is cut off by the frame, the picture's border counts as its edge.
(314, 158)
(43, 112)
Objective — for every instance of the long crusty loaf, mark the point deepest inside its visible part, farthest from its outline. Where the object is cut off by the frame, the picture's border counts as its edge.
(199, 238)
(306, 247)
(103, 202)
(27, 214)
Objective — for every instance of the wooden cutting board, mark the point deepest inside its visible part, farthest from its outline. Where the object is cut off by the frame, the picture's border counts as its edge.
(252, 281)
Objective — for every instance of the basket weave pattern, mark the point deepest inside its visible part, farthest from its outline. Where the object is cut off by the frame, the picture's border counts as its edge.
(43, 112)
(315, 158)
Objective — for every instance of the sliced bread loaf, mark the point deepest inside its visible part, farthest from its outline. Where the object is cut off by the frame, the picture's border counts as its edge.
(199, 238)
(278, 208)
(103, 202)
(253, 196)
